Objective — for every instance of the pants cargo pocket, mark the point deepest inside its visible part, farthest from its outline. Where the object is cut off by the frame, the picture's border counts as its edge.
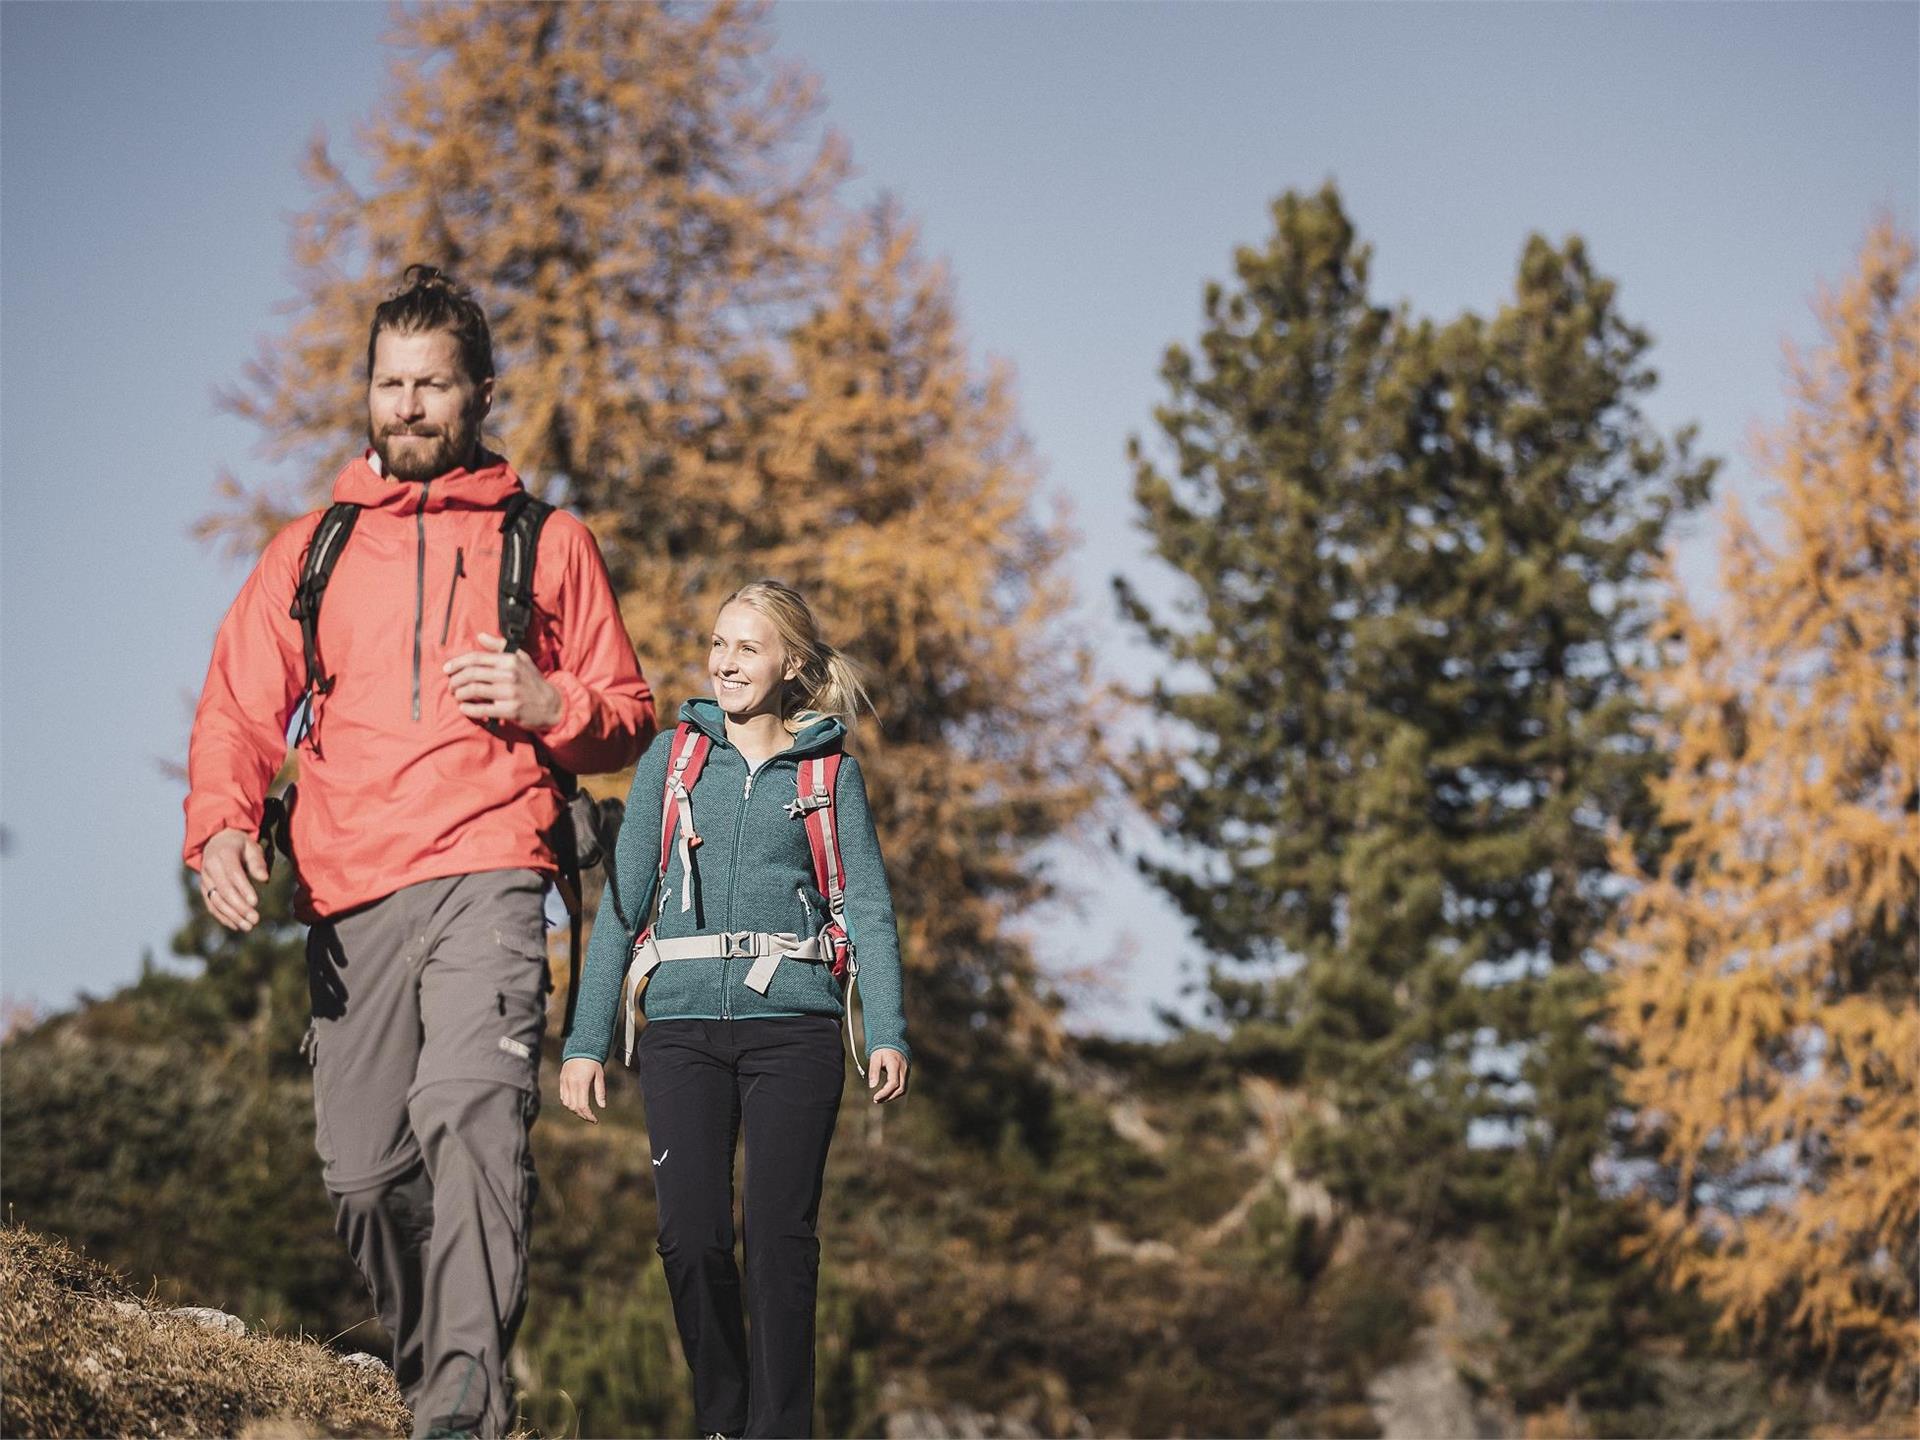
(491, 1035)
(483, 1000)
(523, 1023)
(310, 1048)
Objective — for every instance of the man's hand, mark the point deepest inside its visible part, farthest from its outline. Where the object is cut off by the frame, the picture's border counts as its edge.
(886, 1075)
(492, 684)
(229, 865)
(583, 1081)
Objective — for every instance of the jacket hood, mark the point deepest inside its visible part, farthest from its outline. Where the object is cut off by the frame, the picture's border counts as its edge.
(823, 734)
(487, 487)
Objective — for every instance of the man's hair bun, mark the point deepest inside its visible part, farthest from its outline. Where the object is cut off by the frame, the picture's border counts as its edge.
(430, 299)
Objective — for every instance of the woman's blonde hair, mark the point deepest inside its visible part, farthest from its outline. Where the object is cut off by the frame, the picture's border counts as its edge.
(828, 683)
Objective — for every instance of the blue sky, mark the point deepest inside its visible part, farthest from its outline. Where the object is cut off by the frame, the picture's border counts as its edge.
(1084, 169)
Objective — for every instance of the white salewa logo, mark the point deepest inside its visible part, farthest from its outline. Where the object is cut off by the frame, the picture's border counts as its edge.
(663, 1155)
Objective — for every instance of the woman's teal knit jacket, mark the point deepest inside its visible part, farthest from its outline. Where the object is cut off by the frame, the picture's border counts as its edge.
(752, 871)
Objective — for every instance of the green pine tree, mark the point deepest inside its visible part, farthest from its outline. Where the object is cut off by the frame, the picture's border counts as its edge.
(1261, 424)
(1417, 563)
(1570, 496)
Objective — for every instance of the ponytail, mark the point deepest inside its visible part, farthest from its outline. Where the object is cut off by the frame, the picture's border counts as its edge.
(838, 689)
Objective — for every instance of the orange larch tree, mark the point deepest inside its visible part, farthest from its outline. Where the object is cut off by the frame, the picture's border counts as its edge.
(1767, 964)
(728, 374)
(905, 495)
(630, 190)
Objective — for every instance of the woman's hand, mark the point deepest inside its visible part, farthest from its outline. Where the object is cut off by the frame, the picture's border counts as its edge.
(583, 1083)
(886, 1076)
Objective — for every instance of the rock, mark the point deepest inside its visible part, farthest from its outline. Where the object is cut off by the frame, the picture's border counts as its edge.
(910, 1413)
(958, 1423)
(361, 1360)
(1130, 1123)
(1426, 1396)
(1423, 1398)
(211, 1318)
(1107, 1240)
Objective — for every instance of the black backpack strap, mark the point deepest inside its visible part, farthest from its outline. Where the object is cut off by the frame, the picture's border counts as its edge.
(276, 826)
(584, 837)
(520, 528)
(316, 569)
(581, 838)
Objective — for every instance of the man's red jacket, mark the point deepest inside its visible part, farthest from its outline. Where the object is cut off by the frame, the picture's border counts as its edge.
(398, 786)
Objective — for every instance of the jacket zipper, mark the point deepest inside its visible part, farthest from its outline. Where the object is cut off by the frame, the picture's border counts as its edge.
(419, 591)
(459, 571)
(733, 872)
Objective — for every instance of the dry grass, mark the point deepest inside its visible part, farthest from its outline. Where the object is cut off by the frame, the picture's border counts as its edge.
(82, 1355)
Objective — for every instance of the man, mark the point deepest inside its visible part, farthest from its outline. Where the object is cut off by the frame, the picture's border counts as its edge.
(424, 835)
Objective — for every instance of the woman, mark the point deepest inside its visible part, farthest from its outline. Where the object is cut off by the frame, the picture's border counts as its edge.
(740, 930)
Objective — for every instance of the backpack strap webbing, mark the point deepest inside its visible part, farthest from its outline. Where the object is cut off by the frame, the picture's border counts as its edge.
(688, 758)
(818, 776)
(520, 525)
(316, 569)
(521, 520)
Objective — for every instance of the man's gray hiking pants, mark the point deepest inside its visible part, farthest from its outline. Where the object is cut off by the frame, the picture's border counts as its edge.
(428, 1008)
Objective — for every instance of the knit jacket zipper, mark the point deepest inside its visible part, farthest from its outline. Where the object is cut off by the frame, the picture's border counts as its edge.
(733, 873)
(419, 591)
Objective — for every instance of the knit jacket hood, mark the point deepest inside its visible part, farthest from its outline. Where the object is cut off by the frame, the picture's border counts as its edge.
(824, 734)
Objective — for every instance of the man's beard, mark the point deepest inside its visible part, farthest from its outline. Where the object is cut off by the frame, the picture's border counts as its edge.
(425, 455)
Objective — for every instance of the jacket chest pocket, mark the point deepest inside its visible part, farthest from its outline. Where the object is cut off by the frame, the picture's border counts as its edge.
(466, 598)
(453, 592)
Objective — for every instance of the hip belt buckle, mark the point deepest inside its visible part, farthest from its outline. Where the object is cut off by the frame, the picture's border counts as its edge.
(738, 944)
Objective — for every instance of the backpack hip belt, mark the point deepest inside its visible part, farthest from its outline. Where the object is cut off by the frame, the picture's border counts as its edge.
(765, 948)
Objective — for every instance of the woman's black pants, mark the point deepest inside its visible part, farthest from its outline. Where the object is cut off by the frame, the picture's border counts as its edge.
(702, 1081)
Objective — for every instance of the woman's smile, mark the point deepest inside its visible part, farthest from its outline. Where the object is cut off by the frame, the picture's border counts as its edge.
(747, 664)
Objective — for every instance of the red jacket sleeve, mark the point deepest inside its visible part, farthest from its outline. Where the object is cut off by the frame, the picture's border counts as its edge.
(608, 716)
(253, 684)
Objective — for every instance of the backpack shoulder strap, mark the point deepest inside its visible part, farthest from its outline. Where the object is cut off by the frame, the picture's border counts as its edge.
(818, 774)
(520, 526)
(316, 569)
(685, 762)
